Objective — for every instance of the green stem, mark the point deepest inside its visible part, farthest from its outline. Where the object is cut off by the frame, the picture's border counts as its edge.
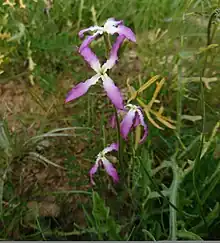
(202, 98)
(179, 100)
(210, 37)
(120, 149)
(173, 201)
(168, 164)
(209, 28)
(104, 135)
(107, 44)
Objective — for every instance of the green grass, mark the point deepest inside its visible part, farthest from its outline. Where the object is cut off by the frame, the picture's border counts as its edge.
(170, 184)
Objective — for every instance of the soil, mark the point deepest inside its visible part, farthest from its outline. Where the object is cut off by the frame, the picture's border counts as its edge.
(33, 180)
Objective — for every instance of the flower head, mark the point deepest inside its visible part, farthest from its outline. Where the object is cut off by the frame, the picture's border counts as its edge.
(111, 27)
(133, 116)
(101, 73)
(102, 160)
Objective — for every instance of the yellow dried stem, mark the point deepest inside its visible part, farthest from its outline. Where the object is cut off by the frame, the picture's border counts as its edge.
(31, 79)
(132, 91)
(151, 119)
(158, 88)
(22, 5)
(148, 83)
(159, 37)
(164, 117)
(148, 107)
(146, 110)
(94, 15)
(7, 2)
(161, 110)
(164, 122)
(140, 80)
(206, 145)
(32, 64)
(142, 103)
(137, 136)
(205, 80)
(4, 36)
(1, 61)
(204, 49)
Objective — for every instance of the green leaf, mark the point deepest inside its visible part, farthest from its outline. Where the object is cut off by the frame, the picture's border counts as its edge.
(188, 235)
(106, 226)
(191, 118)
(18, 35)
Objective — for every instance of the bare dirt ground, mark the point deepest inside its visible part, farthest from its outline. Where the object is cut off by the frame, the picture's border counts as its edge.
(34, 181)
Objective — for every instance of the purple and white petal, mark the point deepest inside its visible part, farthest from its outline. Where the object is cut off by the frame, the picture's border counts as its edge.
(114, 53)
(81, 88)
(111, 24)
(91, 58)
(87, 41)
(93, 170)
(112, 21)
(92, 28)
(127, 32)
(142, 122)
(112, 91)
(110, 170)
(113, 146)
(127, 123)
(136, 120)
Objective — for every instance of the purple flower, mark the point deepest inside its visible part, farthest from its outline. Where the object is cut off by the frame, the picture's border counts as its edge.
(101, 73)
(102, 160)
(133, 116)
(111, 27)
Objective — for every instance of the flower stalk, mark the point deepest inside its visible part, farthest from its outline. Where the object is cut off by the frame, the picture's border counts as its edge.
(133, 114)
(120, 150)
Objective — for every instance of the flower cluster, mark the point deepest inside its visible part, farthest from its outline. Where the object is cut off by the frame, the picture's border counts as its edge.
(133, 115)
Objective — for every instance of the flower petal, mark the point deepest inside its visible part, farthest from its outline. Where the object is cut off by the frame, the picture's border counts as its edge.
(114, 22)
(142, 122)
(87, 41)
(136, 120)
(92, 28)
(114, 53)
(127, 32)
(93, 170)
(110, 170)
(112, 91)
(111, 24)
(81, 88)
(91, 58)
(127, 123)
(113, 146)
